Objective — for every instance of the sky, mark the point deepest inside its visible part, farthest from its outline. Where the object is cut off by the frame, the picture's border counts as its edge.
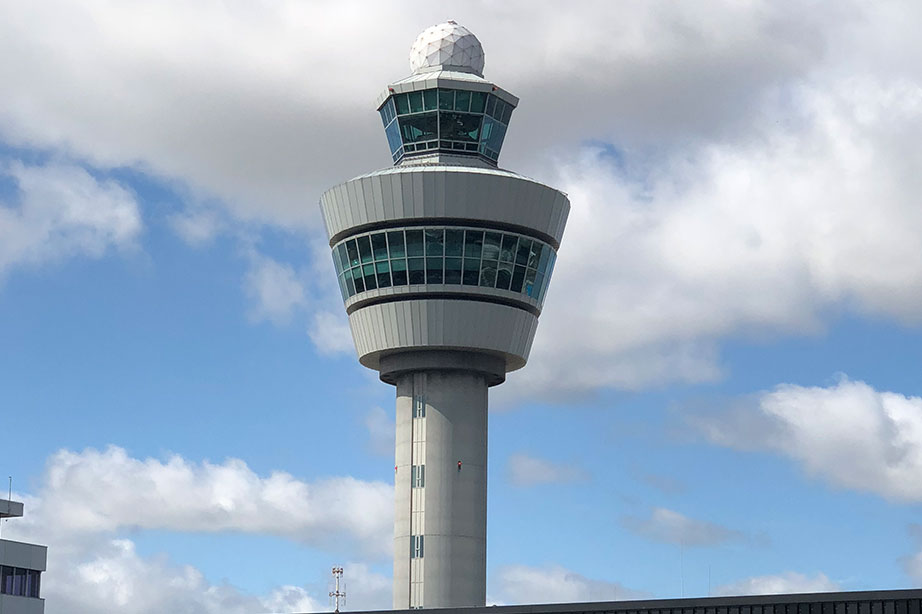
(723, 395)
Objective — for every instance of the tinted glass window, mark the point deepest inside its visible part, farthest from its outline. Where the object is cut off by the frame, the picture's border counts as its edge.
(395, 243)
(473, 243)
(435, 242)
(448, 256)
(523, 251)
(399, 272)
(414, 242)
(419, 127)
(507, 254)
(454, 242)
(471, 271)
(353, 252)
(417, 270)
(434, 270)
(403, 105)
(430, 100)
(488, 274)
(364, 248)
(491, 245)
(446, 100)
(379, 246)
(462, 101)
(416, 102)
(460, 126)
(478, 102)
(452, 270)
(383, 274)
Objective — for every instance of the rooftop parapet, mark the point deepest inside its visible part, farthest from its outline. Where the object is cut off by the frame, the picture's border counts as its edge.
(10, 509)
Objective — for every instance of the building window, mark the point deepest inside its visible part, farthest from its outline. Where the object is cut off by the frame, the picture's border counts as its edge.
(419, 476)
(419, 407)
(450, 256)
(416, 546)
(20, 582)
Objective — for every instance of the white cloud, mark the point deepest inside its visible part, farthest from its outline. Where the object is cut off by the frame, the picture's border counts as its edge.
(274, 288)
(848, 434)
(59, 211)
(197, 226)
(114, 574)
(764, 176)
(258, 112)
(519, 584)
(330, 332)
(107, 491)
(380, 426)
(671, 527)
(526, 470)
(88, 499)
(788, 582)
(807, 217)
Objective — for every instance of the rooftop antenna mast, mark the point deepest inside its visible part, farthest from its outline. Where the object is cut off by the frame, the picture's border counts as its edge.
(9, 504)
(338, 593)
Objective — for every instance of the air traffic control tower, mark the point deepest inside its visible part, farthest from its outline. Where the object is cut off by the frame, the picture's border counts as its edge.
(443, 261)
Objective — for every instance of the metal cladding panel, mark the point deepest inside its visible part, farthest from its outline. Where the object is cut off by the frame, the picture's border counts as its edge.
(386, 328)
(445, 191)
(21, 554)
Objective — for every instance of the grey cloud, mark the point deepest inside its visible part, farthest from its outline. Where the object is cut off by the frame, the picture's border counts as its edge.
(554, 584)
(752, 156)
(671, 527)
(788, 582)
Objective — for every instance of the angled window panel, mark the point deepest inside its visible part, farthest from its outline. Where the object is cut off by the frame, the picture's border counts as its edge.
(454, 242)
(364, 248)
(478, 102)
(491, 245)
(416, 269)
(395, 244)
(353, 251)
(368, 271)
(399, 272)
(431, 100)
(422, 127)
(382, 271)
(452, 270)
(434, 270)
(446, 100)
(473, 243)
(414, 242)
(435, 242)
(504, 275)
(402, 103)
(379, 246)
(471, 273)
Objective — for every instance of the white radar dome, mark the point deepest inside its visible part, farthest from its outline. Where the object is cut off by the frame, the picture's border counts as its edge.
(449, 45)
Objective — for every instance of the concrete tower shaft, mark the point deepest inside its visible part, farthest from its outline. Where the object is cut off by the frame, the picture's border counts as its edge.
(443, 262)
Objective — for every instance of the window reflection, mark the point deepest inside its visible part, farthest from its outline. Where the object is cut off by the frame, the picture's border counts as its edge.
(459, 121)
(452, 256)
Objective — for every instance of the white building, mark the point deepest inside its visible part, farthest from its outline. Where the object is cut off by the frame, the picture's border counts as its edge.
(21, 567)
(443, 260)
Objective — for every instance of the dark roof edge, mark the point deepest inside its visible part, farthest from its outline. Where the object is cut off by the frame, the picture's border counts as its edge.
(686, 602)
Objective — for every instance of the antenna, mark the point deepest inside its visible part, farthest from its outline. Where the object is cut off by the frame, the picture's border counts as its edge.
(9, 504)
(337, 593)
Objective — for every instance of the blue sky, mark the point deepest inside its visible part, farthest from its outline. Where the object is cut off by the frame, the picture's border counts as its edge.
(723, 394)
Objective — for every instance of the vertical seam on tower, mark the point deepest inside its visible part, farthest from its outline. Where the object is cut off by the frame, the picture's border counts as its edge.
(413, 396)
